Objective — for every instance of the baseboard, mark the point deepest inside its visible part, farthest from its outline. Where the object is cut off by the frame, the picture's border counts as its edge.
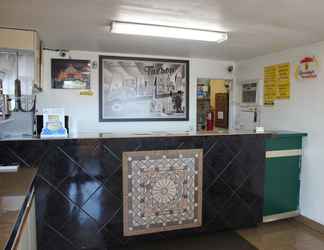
(310, 223)
(275, 217)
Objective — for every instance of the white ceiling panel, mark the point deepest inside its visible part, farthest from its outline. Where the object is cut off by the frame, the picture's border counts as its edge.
(256, 27)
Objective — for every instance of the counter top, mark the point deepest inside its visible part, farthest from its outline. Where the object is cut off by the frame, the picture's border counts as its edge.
(14, 190)
(107, 135)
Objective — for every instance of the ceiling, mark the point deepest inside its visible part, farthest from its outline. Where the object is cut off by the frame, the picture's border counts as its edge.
(256, 27)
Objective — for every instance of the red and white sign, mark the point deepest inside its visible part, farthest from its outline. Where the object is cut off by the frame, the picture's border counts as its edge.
(307, 68)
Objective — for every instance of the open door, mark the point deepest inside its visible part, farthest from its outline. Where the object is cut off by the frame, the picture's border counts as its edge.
(221, 110)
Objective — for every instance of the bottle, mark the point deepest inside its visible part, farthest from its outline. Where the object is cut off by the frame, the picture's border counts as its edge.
(210, 120)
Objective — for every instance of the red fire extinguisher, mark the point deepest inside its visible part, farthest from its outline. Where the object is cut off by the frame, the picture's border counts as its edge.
(210, 120)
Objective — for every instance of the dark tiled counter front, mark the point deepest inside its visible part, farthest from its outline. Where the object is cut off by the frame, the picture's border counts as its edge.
(79, 186)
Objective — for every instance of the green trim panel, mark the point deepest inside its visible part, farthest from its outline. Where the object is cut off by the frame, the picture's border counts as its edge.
(282, 184)
(284, 143)
(287, 134)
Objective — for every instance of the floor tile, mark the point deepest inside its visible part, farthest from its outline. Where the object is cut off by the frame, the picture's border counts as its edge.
(284, 235)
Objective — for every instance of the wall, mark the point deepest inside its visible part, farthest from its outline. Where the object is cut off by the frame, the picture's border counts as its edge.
(302, 112)
(84, 110)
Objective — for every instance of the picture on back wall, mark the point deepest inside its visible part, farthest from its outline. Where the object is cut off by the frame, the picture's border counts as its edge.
(70, 74)
(143, 89)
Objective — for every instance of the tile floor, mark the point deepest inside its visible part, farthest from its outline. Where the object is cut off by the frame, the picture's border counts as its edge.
(284, 235)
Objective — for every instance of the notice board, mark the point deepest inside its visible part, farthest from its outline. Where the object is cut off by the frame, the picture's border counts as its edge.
(276, 83)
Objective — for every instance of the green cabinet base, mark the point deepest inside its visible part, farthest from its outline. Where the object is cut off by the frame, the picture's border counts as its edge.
(281, 193)
(282, 176)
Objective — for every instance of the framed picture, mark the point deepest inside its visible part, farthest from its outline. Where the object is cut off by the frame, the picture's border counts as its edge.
(70, 74)
(143, 89)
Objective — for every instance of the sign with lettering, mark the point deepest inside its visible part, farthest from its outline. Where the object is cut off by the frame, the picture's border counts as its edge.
(307, 68)
(276, 83)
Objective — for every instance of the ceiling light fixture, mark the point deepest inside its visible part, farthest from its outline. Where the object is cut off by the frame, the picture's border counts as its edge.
(167, 31)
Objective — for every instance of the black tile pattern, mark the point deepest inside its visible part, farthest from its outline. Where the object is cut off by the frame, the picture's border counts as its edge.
(222, 240)
(79, 186)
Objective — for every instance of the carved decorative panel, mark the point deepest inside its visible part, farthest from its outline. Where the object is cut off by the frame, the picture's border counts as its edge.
(162, 190)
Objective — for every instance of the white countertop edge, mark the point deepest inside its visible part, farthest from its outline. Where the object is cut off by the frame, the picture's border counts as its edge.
(108, 135)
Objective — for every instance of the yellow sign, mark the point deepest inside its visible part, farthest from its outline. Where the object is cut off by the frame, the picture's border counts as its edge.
(283, 83)
(86, 92)
(276, 83)
(270, 84)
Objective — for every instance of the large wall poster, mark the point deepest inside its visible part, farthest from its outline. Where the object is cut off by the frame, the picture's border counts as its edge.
(143, 89)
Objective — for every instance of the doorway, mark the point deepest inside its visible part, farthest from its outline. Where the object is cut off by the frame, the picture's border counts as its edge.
(213, 97)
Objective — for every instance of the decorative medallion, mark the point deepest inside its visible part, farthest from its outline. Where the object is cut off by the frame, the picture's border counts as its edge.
(162, 190)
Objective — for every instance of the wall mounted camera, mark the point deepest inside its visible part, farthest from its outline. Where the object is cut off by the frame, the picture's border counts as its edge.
(63, 52)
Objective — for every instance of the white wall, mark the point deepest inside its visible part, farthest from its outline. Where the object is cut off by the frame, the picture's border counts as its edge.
(303, 112)
(84, 110)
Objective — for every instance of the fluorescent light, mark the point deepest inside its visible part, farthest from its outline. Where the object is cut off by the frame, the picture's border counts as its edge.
(167, 31)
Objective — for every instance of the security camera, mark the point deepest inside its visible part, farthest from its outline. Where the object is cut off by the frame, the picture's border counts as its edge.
(230, 68)
(63, 52)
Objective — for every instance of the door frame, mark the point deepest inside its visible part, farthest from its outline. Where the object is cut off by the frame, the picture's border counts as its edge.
(231, 99)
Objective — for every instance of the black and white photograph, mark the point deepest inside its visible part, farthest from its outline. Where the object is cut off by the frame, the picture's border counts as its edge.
(143, 89)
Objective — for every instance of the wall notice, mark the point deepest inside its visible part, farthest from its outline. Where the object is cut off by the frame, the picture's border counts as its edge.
(283, 82)
(276, 83)
(270, 84)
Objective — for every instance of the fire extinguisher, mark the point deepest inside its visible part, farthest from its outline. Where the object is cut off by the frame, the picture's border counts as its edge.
(210, 120)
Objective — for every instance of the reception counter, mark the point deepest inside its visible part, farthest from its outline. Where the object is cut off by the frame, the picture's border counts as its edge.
(80, 184)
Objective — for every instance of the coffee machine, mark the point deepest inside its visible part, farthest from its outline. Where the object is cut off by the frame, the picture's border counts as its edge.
(17, 100)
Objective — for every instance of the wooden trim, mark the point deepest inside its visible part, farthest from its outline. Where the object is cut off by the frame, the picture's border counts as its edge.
(310, 223)
(23, 222)
(281, 216)
(10, 28)
(15, 39)
(283, 153)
